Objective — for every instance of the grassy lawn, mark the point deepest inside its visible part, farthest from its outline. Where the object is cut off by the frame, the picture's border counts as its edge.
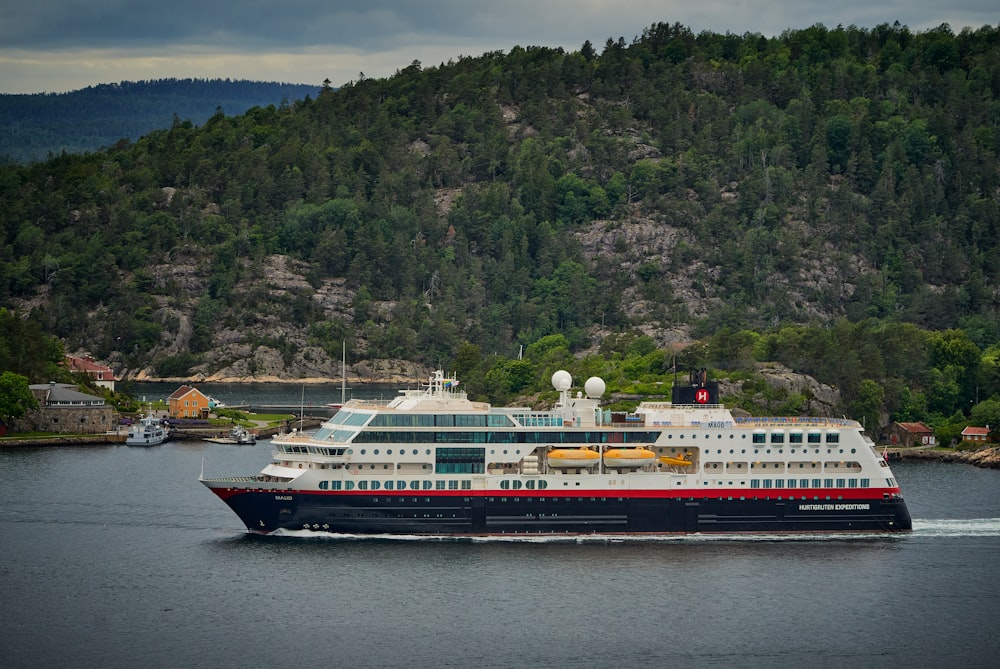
(254, 420)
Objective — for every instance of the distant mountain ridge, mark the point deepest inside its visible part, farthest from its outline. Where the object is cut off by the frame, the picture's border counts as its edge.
(32, 126)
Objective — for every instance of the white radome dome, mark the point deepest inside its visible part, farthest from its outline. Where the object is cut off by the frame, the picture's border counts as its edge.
(594, 387)
(562, 380)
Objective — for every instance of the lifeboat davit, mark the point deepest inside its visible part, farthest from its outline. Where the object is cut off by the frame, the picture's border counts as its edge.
(628, 457)
(561, 458)
(676, 461)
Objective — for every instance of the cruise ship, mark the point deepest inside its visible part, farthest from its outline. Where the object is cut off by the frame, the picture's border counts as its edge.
(431, 461)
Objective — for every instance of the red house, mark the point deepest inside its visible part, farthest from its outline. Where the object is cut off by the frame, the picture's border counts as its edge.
(103, 375)
(911, 434)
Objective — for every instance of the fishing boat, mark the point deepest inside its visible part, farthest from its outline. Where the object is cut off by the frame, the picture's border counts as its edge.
(432, 461)
(147, 431)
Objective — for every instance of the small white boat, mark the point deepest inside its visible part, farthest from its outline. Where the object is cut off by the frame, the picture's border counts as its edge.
(238, 435)
(147, 431)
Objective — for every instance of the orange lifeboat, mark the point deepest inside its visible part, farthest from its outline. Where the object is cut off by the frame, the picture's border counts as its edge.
(571, 458)
(628, 457)
(677, 461)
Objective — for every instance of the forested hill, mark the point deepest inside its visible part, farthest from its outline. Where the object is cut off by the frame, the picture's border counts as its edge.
(33, 126)
(833, 189)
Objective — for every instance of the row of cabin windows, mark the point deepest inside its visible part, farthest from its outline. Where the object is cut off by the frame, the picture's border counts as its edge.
(441, 420)
(530, 484)
(464, 484)
(738, 466)
(796, 438)
(810, 483)
(501, 437)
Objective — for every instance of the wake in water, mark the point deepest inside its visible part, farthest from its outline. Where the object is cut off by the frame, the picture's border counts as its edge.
(966, 527)
(970, 527)
(591, 538)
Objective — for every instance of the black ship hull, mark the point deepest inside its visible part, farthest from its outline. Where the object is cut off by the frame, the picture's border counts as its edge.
(483, 514)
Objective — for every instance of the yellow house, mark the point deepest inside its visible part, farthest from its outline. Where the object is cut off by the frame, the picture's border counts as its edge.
(188, 402)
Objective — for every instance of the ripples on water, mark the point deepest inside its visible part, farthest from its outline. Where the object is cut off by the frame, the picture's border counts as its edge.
(117, 557)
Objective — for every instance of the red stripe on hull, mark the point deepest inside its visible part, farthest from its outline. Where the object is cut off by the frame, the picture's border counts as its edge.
(754, 493)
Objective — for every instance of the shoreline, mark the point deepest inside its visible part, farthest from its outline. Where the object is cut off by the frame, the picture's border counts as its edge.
(987, 458)
(313, 380)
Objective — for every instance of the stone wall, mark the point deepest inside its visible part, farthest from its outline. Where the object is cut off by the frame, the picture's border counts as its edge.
(73, 420)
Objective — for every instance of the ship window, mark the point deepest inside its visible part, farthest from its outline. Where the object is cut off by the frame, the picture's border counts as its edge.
(865, 483)
(827, 483)
(791, 483)
(324, 485)
(852, 483)
(779, 483)
(335, 485)
(803, 483)
(452, 485)
(815, 437)
(439, 485)
(777, 437)
(832, 437)
(376, 485)
(466, 484)
(414, 485)
(759, 438)
(816, 483)
(388, 485)
(840, 483)
(767, 483)
(795, 438)
(348, 485)
(754, 483)
(362, 485)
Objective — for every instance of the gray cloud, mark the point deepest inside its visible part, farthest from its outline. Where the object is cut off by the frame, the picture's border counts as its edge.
(63, 44)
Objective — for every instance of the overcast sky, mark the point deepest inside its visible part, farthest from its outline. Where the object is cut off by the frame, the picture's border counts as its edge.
(61, 45)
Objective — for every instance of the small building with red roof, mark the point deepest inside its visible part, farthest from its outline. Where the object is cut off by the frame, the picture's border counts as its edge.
(979, 435)
(188, 402)
(911, 434)
(102, 375)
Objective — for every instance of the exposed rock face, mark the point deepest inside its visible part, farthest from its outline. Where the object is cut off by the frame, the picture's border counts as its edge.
(988, 458)
(824, 399)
